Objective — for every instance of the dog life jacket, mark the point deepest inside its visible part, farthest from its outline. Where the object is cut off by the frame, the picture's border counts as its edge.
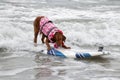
(48, 28)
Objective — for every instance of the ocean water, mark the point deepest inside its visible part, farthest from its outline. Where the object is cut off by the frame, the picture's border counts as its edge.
(86, 24)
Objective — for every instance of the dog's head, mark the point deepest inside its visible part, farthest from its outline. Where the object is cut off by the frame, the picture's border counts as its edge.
(59, 38)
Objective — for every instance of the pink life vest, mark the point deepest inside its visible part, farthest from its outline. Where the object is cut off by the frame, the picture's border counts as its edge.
(48, 28)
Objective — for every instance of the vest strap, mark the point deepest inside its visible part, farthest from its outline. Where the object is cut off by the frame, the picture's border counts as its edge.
(44, 25)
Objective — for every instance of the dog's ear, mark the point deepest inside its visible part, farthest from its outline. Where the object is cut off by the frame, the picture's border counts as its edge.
(64, 38)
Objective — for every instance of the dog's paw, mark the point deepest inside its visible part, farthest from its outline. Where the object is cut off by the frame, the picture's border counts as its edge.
(35, 44)
(49, 48)
(68, 47)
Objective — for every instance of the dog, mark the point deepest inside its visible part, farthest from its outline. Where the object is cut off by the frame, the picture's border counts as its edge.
(49, 32)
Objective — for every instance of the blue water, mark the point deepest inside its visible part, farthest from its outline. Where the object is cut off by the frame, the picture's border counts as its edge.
(86, 24)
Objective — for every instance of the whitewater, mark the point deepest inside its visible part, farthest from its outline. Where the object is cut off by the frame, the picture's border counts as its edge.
(86, 25)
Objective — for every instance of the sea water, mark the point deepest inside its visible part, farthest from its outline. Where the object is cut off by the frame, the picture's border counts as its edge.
(86, 25)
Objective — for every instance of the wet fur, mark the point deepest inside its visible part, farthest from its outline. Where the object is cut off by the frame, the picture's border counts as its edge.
(37, 31)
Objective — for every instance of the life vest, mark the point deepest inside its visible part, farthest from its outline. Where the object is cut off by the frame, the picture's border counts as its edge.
(48, 28)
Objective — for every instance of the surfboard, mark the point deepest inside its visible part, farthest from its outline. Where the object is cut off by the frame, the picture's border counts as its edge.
(73, 53)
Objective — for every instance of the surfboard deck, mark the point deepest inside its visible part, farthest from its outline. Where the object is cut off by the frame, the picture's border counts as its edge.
(73, 53)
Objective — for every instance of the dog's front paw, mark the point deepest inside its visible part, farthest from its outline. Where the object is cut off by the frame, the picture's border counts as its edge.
(49, 48)
(51, 51)
(68, 47)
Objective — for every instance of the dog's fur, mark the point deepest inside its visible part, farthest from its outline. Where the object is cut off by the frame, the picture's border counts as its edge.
(58, 38)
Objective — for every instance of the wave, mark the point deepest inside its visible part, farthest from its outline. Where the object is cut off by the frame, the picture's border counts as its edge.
(14, 71)
(81, 27)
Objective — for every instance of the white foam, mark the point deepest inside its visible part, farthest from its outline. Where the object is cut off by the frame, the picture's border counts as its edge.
(14, 71)
(14, 55)
(106, 78)
(86, 1)
(104, 28)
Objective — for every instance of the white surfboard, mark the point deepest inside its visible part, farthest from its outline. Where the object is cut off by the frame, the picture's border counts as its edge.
(73, 53)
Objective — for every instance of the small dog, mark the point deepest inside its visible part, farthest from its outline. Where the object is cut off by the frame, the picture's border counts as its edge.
(49, 31)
